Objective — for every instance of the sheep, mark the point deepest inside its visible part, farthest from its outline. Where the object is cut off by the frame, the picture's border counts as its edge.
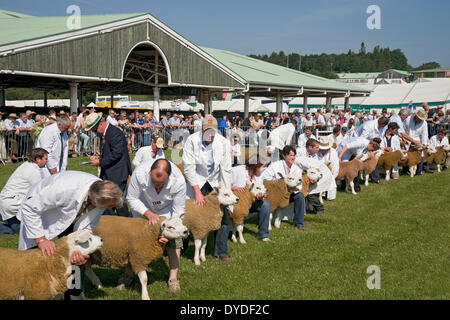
(349, 170)
(370, 165)
(201, 220)
(389, 160)
(412, 160)
(438, 156)
(242, 210)
(132, 242)
(33, 276)
(278, 195)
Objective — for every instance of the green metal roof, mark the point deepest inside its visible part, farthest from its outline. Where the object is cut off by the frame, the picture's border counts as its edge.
(406, 73)
(5, 14)
(29, 28)
(359, 75)
(257, 71)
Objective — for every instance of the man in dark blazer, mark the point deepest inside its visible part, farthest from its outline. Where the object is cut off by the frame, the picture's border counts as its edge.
(114, 161)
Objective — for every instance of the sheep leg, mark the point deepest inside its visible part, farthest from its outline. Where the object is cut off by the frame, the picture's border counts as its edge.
(388, 175)
(367, 180)
(352, 185)
(126, 278)
(203, 249)
(198, 244)
(439, 168)
(143, 279)
(270, 221)
(277, 223)
(321, 198)
(233, 234)
(92, 277)
(240, 229)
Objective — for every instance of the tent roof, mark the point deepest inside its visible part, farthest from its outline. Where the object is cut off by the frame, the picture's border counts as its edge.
(359, 75)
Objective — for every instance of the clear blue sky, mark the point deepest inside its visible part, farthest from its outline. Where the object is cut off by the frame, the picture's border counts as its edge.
(420, 28)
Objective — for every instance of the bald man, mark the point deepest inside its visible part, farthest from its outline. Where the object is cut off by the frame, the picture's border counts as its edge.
(158, 188)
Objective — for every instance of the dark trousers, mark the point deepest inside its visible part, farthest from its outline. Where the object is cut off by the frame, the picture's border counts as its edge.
(375, 175)
(313, 203)
(123, 211)
(11, 226)
(299, 208)
(263, 209)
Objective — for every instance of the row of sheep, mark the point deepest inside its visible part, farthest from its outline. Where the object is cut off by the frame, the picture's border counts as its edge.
(134, 244)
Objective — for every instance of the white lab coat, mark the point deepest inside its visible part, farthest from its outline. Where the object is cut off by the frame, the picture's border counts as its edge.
(395, 142)
(325, 183)
(355, 146)
(417, 132)
(331, 156)
(434, 141)
(240, 177)
(112, 121)
(368, 130)
(271, 173)
(50, 140)
(144, 154)
(142, 196)
(52, 204)
(195, 167)
(282, 136)
(301, 142)
(27, 174)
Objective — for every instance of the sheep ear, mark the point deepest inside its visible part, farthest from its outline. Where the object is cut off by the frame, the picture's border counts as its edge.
(82, 237)
(181, 215)
(281, 175)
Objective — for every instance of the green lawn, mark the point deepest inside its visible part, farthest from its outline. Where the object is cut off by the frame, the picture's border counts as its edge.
(401, 226)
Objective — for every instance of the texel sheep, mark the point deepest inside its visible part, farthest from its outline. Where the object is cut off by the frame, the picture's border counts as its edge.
(412, 160)
(33, 276)
(242, 210)
(132, 242)
(437, 157)
(370, 165)
(278, 194)
(389, 160)
(201, 220)
(349, 170)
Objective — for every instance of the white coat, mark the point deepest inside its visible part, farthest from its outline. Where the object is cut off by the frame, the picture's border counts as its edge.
(144, 154)
(142, 195)
(368, 130)
(331, 157)
(50, 140)
(434, 141)
(395, 142)
(52, 204)
(195, 167)
(325, 183)
(301, 142)
(240, 177)
(27, 174)
(282, 136)
(355, 146)
(271, 173)
(417, 131)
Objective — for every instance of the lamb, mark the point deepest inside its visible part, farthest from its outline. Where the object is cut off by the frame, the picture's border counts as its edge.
(33, 276)
(132, 242)
(242, 210)
(370, 165)
(412, 160)
(278, 195)
(201, 220)
(349, 170)
(389, 160)
(438, 156)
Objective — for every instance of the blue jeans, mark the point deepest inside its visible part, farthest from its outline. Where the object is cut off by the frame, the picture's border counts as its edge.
(419, 167)
(221, 236)
(263, 209)
(11, 226)
(299, 208)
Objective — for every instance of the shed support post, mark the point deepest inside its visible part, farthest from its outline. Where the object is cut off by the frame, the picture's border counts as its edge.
(305, 104)
(156, 92)
(73, 97)
(246, 104)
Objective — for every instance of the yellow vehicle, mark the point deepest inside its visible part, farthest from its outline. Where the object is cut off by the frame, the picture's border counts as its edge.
(120, 102)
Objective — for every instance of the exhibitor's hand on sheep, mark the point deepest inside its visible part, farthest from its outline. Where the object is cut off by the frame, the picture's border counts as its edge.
(153, 218)
(47, 247)
(78, 259)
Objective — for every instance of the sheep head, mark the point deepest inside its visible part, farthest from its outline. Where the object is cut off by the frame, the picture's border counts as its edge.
(173, 228)
(226, 196)
(292, 180)
(84, 242)
(314, 174)
(362, 157)
(446, 147)
(431, 149)
(257, 188)
(378, 153)
(404, 153)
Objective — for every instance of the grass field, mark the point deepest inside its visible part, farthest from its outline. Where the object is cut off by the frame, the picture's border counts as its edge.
(401, 226)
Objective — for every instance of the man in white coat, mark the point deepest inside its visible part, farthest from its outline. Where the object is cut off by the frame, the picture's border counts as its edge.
(328, 156)
(371, 129)
(55, 140)
(282, 136)
(150, 153)
(301, 142)
(416, 127)
(27, 174)
(207, 162)
(158, 188)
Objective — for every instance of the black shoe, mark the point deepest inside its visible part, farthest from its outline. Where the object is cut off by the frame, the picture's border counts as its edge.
(428, 171)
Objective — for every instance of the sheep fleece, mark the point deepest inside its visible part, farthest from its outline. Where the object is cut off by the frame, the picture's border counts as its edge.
(203, 219)
(389, 160)
(242, 209)
(277, 193)
(33, 275)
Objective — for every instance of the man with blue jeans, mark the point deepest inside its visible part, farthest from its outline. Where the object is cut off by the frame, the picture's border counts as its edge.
(285, 167)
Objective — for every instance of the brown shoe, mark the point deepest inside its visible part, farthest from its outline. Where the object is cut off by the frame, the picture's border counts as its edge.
(225, 259)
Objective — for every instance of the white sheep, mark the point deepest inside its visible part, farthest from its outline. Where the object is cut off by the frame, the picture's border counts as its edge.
(201, 220)
(33, 276)
(132, 242)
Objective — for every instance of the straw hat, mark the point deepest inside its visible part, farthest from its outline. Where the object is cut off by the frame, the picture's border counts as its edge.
(92, 120)
(209, 122)
(421, 114)
(159, 143)
(13, 115)
(324, 143)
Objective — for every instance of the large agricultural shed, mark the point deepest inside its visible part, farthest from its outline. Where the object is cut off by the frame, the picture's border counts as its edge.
(136, 53)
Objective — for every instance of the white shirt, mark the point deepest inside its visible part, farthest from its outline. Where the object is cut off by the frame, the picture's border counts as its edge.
(144, 154)
(417, 131)
(9, 124)
(355, 146)
(368, 130)
(27, 174)
(395, 142)
(142, 195)
(308, 123)
(271, 173)
(240, 177)
(336, 140)
(301, 142)
(52, 204)
(282, 136)
(434, 141)
(325, 183)
(236, 150)
(112, 121)
(196, 164)
(331, 156)
(319, 119)
(50, 140)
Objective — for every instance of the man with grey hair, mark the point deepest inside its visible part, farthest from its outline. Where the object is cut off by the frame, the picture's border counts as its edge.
(55, 140)
(400, 119)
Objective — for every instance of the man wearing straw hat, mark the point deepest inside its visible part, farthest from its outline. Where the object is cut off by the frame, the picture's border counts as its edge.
(329, 157)
(114, 162)
(416, 128)
(152, 152)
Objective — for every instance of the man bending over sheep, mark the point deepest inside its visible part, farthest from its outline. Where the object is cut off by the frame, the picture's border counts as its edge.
(61, 204)
(158, 188)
